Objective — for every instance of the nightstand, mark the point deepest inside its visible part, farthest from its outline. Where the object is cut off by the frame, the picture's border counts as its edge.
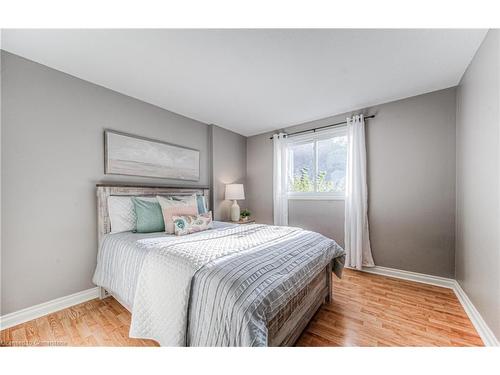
(249, 221)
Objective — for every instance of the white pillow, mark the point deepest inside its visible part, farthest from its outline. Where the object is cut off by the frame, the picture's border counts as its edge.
(122, 213)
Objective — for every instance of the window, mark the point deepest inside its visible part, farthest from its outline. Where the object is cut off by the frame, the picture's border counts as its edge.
(316, 165)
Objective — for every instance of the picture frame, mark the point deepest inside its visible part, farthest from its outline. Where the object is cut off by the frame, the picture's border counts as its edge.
(133, 155)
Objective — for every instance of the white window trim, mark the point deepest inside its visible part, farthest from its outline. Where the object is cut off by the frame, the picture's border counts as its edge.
(316, 196)
(313, 136)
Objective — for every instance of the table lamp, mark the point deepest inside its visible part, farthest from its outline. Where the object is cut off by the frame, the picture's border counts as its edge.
(233, 193)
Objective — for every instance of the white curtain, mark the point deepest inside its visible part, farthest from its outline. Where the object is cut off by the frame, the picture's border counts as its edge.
(280, 201)
(357, 240)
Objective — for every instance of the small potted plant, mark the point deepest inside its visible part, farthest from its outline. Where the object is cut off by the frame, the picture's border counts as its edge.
(245, 215)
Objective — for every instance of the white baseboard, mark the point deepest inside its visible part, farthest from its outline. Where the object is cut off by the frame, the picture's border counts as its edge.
(411, 276)
(477, 320)
(33, 312)
(475, 317)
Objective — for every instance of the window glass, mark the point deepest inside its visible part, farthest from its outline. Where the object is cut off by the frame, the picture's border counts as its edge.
(332, 155)
(317, 166)
(301, 176)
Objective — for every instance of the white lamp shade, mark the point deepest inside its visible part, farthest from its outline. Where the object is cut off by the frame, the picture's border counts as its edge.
(235, 192)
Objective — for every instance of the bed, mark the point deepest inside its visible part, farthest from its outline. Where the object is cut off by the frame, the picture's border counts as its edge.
(233, 285)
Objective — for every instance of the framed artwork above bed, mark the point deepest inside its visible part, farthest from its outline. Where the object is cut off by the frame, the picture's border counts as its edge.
(132, 155)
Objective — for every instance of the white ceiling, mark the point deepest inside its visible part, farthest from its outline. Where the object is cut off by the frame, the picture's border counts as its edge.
(253, 81)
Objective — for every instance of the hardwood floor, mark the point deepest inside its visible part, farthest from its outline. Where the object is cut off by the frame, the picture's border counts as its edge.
(373, 310)
(367, 310)
(93, 323)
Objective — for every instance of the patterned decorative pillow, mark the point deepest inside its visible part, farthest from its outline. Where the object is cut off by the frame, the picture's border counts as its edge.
(191, 224)
(171, 207)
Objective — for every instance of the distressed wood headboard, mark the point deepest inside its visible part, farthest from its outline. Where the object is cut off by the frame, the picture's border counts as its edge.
(105, 190)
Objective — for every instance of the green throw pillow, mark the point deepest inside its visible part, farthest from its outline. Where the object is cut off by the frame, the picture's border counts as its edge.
(149, 217)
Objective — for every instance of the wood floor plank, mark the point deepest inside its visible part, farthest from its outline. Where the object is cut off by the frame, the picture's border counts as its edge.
(32, 336)
(394, 312)
(366, 310)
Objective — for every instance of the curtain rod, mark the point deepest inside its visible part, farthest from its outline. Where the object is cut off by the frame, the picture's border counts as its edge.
(314, 130)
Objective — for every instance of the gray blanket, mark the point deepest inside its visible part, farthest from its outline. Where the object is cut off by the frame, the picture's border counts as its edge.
(233, 298)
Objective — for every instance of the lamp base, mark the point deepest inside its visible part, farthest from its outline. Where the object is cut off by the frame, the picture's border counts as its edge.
(235, 212)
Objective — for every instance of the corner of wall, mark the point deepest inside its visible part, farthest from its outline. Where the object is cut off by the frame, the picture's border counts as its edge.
(228, 165)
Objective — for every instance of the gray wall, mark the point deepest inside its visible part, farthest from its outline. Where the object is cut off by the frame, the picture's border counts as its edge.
(478, 181)
(259, 192)
(228, 166)
(411, 182)
(52, 157)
